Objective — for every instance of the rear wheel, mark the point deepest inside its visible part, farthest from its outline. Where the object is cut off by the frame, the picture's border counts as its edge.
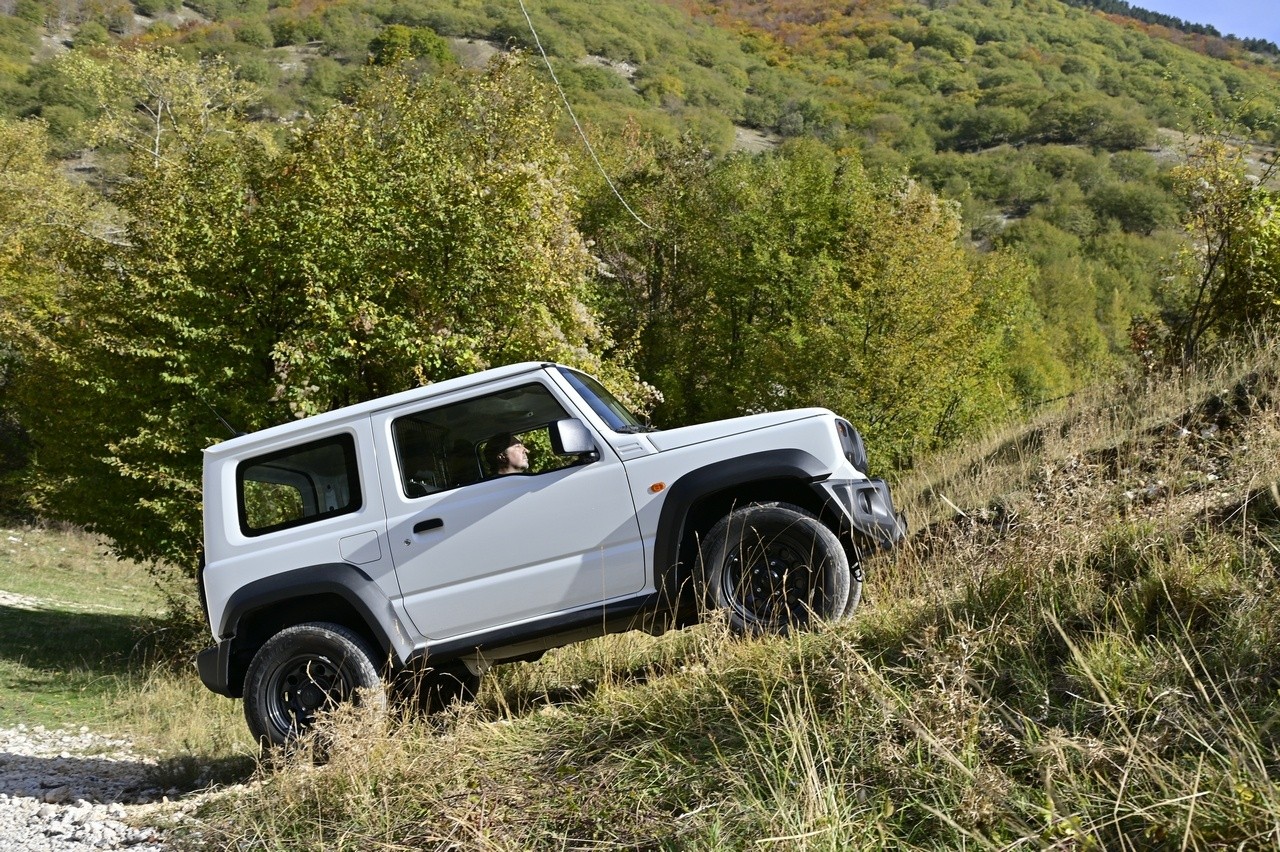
(303, 670)
(772, 568)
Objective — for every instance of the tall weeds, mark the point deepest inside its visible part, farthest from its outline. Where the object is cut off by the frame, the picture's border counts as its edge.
(1076, 651)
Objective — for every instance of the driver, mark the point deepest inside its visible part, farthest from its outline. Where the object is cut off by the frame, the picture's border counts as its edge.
(506, 454)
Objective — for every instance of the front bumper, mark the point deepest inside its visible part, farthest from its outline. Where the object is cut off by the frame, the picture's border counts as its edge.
(868, 507)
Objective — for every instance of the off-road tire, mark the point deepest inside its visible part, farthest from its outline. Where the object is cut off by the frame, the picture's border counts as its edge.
(855, 590)
(772, 568)
(303, 670)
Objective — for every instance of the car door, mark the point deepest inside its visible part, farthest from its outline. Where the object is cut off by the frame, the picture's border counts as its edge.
(475, 551)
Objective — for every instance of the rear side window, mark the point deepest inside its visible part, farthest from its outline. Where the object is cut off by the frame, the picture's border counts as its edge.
(300, 485)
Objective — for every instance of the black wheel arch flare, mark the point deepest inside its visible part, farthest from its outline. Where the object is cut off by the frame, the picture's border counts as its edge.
(258, 609)
(700, 497)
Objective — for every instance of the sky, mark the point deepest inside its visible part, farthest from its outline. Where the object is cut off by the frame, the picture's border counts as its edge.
(1244, 18)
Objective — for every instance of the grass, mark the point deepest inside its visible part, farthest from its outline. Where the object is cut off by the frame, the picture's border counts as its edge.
(1075, 651)
(83, 641)
(73, 622)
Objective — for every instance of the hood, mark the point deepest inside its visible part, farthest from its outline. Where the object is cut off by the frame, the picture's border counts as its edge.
(670, 439)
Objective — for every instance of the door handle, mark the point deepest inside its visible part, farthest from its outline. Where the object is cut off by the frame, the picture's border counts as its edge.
(428, 525)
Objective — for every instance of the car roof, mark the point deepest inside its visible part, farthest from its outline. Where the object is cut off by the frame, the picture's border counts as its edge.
(368, 407)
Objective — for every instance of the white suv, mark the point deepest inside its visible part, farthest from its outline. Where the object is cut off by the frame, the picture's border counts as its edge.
(426, 535)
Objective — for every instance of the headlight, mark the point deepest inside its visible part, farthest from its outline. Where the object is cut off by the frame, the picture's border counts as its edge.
(851, 442)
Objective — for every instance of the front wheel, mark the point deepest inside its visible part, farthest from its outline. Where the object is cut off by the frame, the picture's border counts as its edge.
(772, 568)
(855, 589)
(301, 671)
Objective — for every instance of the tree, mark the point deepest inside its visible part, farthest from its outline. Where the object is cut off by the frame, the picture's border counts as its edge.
(1231, 263)
(428, 229)
(147, 326)
(158, 107)
(1139, 208)
(420, 232)
(36, 201)
(794, 279)
(399, 43)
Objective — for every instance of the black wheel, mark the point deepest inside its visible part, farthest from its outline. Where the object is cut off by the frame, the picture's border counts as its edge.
(772, 567)
(855, 590)
(302, 670)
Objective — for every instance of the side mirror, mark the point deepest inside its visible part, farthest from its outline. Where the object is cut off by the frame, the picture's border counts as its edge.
(571, 438)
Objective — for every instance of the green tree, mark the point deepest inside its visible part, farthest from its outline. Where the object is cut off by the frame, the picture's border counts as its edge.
(36, 202)
(427, 231)
(1231, 262)
(398, 43)
(420, 232)
(1139, 208)
(112, 383)
(794, 279)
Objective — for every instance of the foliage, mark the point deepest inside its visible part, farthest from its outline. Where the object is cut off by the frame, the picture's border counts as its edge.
(397, 43)
(1023, 117)
(966, 95)
(794, 279)
(112, 385)
(1232, 262)
(36, 201)
(440, 213)
(419, 233)
(157, 106)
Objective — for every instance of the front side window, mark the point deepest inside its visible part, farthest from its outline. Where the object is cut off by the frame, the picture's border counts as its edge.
(499, 434)
(298, 486)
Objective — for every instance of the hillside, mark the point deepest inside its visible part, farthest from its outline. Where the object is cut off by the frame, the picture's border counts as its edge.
(948, 221)
(952, 215)
(1075, 652)
(1052, 127)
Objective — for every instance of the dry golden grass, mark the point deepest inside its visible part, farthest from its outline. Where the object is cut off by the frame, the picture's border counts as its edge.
(1075, 651)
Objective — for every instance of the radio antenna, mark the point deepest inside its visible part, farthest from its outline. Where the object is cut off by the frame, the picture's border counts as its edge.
(235, 433)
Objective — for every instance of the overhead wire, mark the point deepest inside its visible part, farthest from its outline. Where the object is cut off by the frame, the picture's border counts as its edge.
(582, 133)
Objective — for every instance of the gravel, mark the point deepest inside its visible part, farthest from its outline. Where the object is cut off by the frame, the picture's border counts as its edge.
(75, 791)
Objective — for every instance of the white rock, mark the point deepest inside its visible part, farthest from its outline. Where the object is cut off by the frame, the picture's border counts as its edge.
(68, 791)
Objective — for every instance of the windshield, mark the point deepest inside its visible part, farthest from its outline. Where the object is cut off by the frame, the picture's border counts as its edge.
(603, 403)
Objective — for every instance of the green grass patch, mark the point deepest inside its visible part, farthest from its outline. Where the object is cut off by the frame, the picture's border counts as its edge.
(73, 624)
(85, 640)
(67, 569)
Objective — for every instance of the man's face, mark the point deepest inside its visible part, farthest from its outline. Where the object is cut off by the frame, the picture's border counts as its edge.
(517, 456)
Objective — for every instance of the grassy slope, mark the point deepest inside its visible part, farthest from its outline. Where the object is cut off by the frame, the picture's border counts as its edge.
(1083, 659)
(71, 624)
